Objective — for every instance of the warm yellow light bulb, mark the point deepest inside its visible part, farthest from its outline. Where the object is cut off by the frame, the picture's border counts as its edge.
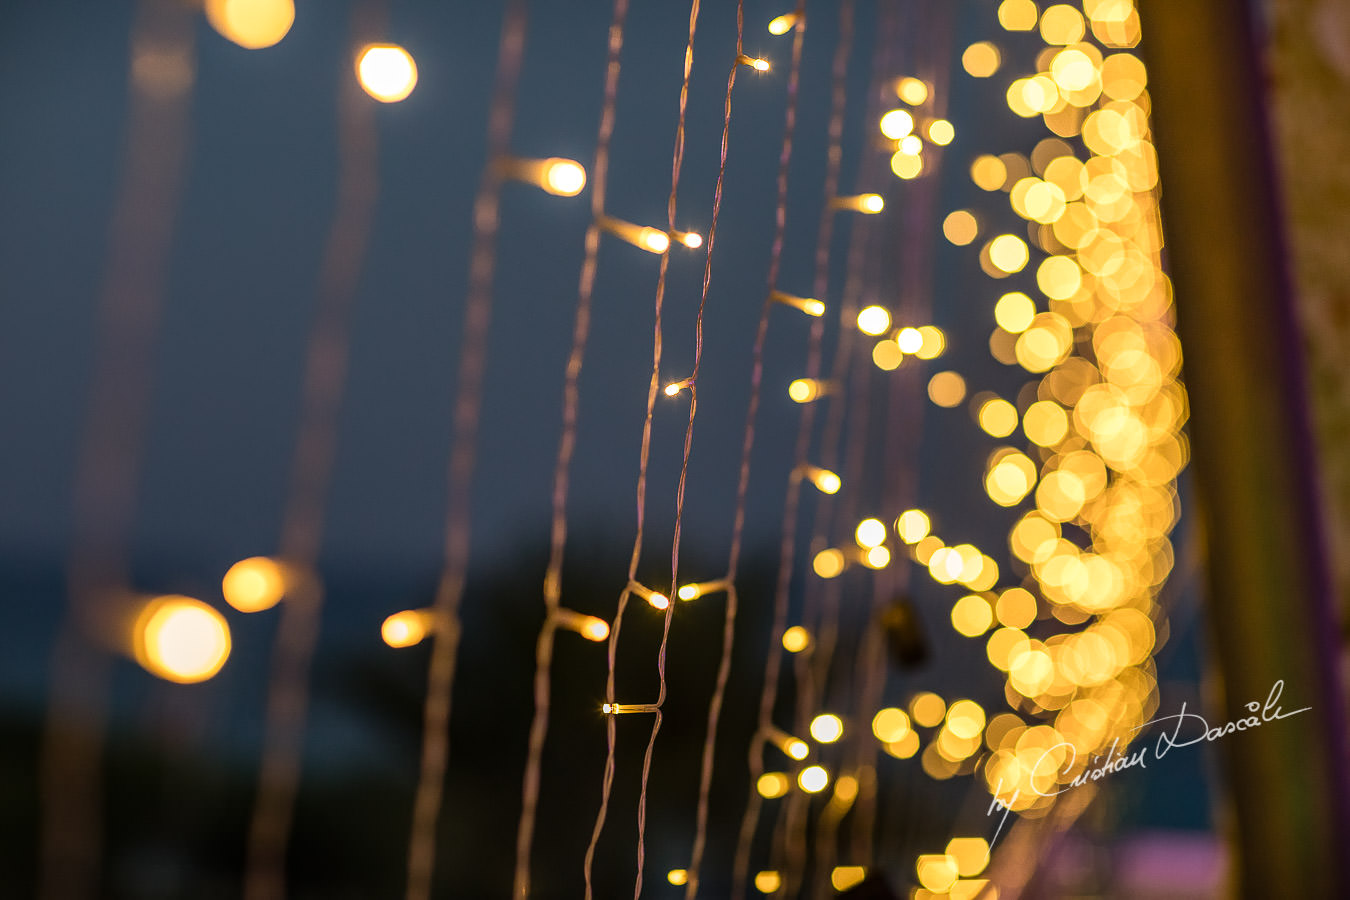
(877, 558)
(912, 526)
(909, 340)
(844, 877)
(941, 132)
(691, 239)
(180, 639)
(772, 785)
(911, 90)
(759, 65)
(826, 728)
(813, 779)
(911, 144)
(387, 72)
(874, 320)
(252, 24)
(254, 584)
(564, 177)
(870, 532)
(896, 124)
(404, 629)
(677, 877)
(653, 240)
(824, 480)
(796, 639)
(797, 749)
(768, 881)
(783, 24)
(804, 390)
(873, 203)
(1009, 253)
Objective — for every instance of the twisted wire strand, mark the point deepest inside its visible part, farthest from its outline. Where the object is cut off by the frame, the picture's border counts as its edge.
(430, 791)
(108, 467)
(311, 474)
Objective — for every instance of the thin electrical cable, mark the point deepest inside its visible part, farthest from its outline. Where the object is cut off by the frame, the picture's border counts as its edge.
(468, 401)
(311, 471)
(108, 467)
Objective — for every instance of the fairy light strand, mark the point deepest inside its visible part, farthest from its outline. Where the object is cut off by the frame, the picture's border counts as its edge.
(302, 525)
(473, 360)
(108, 467)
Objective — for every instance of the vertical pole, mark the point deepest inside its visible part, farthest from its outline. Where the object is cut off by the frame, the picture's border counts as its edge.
(1272, 613)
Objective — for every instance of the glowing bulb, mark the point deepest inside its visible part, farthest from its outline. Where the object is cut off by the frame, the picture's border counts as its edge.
(825, 481)
(405, 628)
(657, 600)
(941, 132)
(675, 387)
(759, 65)
(589, 627)
(911, 90)
(694, 591)
(387, 72)
(804, 390)
(1009, 253)
(873, 203)
(844, 877)
(906, 164)
(772, 785)
(252, 24)
(869, 204)
(254, 584)
(687, 592)
(896, 124)
(691, 239)
(784, 24)
(911, 145)
(796, 639)
(826, 728)
(808, 305)
(870, 533)
(877, 558)
(768, 881)
(564, 177)
(813, 779)
(912, 526)
(828, 563)
(677, 877)
(874, 320)
(653, 240)
(909, 340)
(180, 639)
(797, 749)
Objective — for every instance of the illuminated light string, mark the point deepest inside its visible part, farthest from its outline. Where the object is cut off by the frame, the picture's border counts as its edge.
(109, 461)
(324, 382)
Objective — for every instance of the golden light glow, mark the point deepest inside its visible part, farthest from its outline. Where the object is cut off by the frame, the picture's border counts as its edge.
(1010, 477)
(826, 728)
(589, 627)
(869, 204)
(824, 480)
(897, 124)
(912, 91)
(409, 627)
(877, 558)
(656, 599)
(870, 533)
(768, 881)
(887, 356)
(981, 60)
(931, 342)
(971, 855)
(644, 237)
(947, 389)
(1016, 608)
(912, 525)
(677, 877)
(960, 227)
(813, 779)
(1045, 423)
(1062, 24)
(937, 871)
(701, 588)
(998, 417)
(783, 24)
(927, 709)
(564, 177)
(988, 172)
(772, 785)
(971, 616)
(1014, 312)
(890, 725)
(691, 239)
(252, 24)
(1017, 15)
(1009, 253)
(808, 305)
(844, 877)
(907, 164)
(180, 639)
(759, 65)
(387, 72)
(653, 240)
(965, 719)
(804, 390)
(909, 340)
(941, 132)
(874, 320)
(828, 563)
(254, 584)
(673, 389)
(796, 639)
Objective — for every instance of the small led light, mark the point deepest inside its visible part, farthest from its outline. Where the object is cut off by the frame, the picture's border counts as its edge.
(657, 600)
(675, 387)
(909, 340)
(759, 65)
(874, 320)
(623, 709)
(785, 23)
(407, 628)
(589, 627)
(869, 204)
(699, 589)
(813, 779)
(804, 390)
(808, 305)
(653, 240)
(796, 639)
(870, 533)
(897, 124)
(826, 728)
(825, 481)
(691, 239)
(386, 72)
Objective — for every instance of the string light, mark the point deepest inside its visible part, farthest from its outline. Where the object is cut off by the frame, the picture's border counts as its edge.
(653, 240)
(874, 320)
(252, 24)
(772, 785)
(870, 533)
(677, 877)
(657, 600)
(623, 709)
(911, 90)
(941, 132)
(844, 877)
(558, 176)
(768, 881)
(180, 639)
(785, 23)
(591, 628)
(796, 639)
(813, 779)
(691, 239)
(793, 747)
(759, 65)
(824, 480)
(675, 387)
(804, 390)
(254, 584)
(702, 588)
(808, 305)
(387, 72)
(826, 728)
(897, 124)
(868, 204)
(408, 627)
